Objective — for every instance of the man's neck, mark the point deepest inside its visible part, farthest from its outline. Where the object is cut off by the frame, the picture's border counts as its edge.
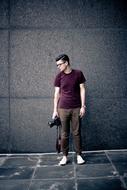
(68, 70)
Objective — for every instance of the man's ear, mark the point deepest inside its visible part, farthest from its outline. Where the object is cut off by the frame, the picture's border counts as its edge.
(66, 63)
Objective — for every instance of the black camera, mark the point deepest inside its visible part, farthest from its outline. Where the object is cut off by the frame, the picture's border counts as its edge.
(54, 122)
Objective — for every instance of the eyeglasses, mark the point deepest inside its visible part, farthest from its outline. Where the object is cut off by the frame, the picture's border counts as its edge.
(60, 64)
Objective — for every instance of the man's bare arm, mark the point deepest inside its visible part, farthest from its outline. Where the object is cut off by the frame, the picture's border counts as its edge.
(56, 99)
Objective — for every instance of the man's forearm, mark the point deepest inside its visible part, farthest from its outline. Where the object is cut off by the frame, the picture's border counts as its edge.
(56, 99)
(82, 94)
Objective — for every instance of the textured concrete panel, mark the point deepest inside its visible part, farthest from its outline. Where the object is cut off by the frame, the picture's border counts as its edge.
(4, 125)
(3, 63)
(93, 34)
(33, 60)
(47, 14)
(106, 123)
(100, 14)
(69, 14)
(3, 13)
(114, 13)
(29, 125)
(101, 55)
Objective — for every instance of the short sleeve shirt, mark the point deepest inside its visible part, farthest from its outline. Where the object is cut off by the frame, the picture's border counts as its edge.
(69, 88)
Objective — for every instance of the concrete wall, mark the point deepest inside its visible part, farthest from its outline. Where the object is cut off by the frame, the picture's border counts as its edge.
(32, 33)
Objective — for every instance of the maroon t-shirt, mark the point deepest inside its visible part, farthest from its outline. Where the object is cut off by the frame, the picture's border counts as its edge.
(69, 88)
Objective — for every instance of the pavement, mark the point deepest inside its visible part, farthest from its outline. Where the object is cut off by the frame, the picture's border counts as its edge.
(103, 170)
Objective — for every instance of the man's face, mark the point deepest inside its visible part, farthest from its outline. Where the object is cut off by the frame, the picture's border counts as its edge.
(62, 65)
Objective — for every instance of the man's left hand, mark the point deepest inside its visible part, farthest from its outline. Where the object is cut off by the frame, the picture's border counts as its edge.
(82, 111)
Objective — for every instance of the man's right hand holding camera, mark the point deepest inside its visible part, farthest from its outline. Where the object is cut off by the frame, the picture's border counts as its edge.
(55, 114)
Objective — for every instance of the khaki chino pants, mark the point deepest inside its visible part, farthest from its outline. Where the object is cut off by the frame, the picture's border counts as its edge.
(70, 118)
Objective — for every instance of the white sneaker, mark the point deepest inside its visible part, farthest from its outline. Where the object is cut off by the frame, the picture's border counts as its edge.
(80, 160)
(63, 161)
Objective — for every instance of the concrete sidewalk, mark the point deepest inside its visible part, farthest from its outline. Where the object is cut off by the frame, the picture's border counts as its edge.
(103, 170)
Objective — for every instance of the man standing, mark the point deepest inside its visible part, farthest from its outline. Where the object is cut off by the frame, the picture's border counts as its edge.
(69, 105)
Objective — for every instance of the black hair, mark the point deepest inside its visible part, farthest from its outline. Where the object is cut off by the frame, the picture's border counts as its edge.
(63, 57)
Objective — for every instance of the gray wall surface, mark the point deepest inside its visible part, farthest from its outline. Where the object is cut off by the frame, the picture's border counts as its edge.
(32, 33)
